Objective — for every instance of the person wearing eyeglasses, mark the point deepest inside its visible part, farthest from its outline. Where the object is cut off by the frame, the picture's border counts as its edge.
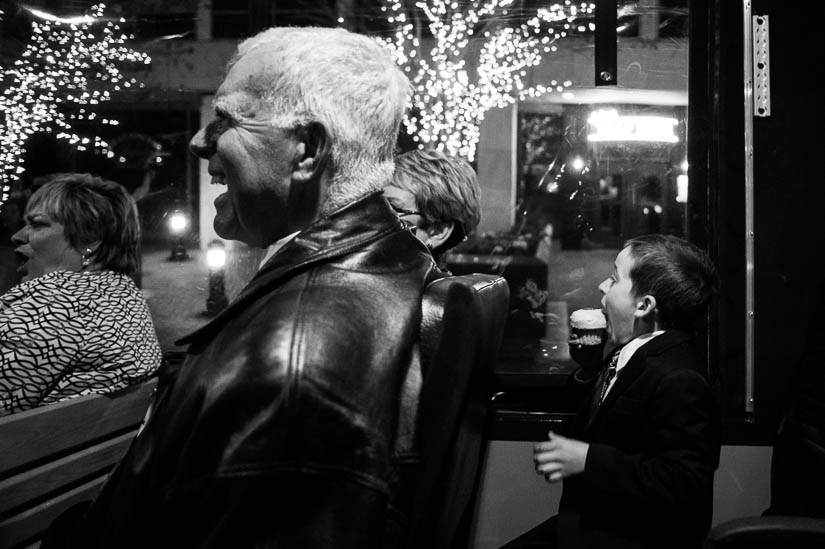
(278, 428)
(436, 197)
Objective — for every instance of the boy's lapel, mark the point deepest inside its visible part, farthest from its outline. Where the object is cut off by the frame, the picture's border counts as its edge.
(625, 377)
(635, 366)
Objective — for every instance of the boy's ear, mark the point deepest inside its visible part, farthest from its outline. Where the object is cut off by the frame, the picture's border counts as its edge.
(313, 150)
(645, 306)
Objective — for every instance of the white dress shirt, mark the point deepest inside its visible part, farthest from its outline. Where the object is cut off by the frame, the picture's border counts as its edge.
(273, 248)
(627, 352)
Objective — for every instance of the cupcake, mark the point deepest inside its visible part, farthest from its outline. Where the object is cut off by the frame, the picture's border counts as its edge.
(587, 327)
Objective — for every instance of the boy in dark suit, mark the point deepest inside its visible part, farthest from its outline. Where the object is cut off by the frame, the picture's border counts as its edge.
(638, 458)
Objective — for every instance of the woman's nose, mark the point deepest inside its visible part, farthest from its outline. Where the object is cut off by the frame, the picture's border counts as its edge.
(203, 143)
(603, 286)
(20, 237)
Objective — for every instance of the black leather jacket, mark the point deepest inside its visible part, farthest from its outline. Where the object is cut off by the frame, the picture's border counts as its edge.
(278, 429)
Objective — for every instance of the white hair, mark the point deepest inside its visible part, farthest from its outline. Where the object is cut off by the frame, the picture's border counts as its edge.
(346, 81)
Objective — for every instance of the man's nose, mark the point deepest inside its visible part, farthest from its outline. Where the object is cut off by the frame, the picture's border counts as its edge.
(603, 286)
(203, 143)
(20, 237)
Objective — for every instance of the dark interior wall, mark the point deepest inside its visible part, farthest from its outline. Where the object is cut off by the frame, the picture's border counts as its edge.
(788, 199)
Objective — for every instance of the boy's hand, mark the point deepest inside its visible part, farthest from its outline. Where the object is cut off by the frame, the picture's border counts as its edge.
(559, 457)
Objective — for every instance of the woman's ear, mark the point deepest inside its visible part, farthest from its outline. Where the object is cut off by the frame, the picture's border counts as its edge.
(438, 234)
(313, 151)
(88, 248)
(86, 252)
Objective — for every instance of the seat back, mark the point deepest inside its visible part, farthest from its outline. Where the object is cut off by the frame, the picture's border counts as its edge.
(768, 532)
(461, 330)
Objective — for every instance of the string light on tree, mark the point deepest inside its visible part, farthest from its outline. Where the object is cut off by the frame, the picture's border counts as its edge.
(450, 98)
(68, 66)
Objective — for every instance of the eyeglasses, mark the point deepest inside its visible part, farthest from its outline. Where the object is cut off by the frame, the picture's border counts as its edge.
(401, 213)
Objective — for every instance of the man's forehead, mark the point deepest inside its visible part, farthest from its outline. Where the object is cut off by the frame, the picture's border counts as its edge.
(240, 90)
(253, 66)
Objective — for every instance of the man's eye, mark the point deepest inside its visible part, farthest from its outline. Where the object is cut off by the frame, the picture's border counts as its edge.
(222, 123)
(215, 128)
(223, 119)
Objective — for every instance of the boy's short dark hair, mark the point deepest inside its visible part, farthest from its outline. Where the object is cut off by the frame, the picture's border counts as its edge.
(679, 274)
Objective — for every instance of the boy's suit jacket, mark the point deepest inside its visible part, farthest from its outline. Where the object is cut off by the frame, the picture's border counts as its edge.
(654, 447)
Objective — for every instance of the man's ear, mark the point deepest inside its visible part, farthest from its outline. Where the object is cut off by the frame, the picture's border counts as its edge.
(645, 307)
(313, 151)
(438, 233)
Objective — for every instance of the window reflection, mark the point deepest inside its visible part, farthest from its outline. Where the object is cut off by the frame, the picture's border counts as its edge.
(590, 167)
(591, 175)
(595, 166)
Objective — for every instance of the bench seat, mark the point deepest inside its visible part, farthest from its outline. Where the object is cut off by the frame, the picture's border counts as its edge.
(55, 456)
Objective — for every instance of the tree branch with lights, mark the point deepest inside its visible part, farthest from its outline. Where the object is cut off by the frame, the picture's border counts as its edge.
(68, 66)
(477, 60)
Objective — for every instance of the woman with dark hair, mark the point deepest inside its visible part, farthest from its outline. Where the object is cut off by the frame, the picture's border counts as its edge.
(76, 324)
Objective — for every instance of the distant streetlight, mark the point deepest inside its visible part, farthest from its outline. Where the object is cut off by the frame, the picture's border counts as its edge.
(216, 256)
(178, 222)
(216, 263)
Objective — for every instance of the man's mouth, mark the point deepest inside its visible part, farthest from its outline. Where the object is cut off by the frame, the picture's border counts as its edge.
(217, 179)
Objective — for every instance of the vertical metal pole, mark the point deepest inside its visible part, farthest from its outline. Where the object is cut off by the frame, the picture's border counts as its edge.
(203, 21)
(605, 42)
(260, 14)
(649, 20)
(750, 311)
(190, 159)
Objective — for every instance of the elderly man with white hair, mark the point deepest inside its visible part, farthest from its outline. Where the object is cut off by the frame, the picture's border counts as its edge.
(278, 429)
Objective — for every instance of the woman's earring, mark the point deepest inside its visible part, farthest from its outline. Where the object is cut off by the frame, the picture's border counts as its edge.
(85, 259)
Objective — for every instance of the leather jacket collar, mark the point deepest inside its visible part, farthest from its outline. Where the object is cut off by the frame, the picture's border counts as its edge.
(351, 228)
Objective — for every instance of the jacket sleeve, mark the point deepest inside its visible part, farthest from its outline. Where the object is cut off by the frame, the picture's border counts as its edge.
(679, 470)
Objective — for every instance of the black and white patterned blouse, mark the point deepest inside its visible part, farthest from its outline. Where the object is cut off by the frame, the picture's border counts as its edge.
(67, 334)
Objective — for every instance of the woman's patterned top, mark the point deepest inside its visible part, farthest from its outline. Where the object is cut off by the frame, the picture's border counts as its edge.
(67, 334)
